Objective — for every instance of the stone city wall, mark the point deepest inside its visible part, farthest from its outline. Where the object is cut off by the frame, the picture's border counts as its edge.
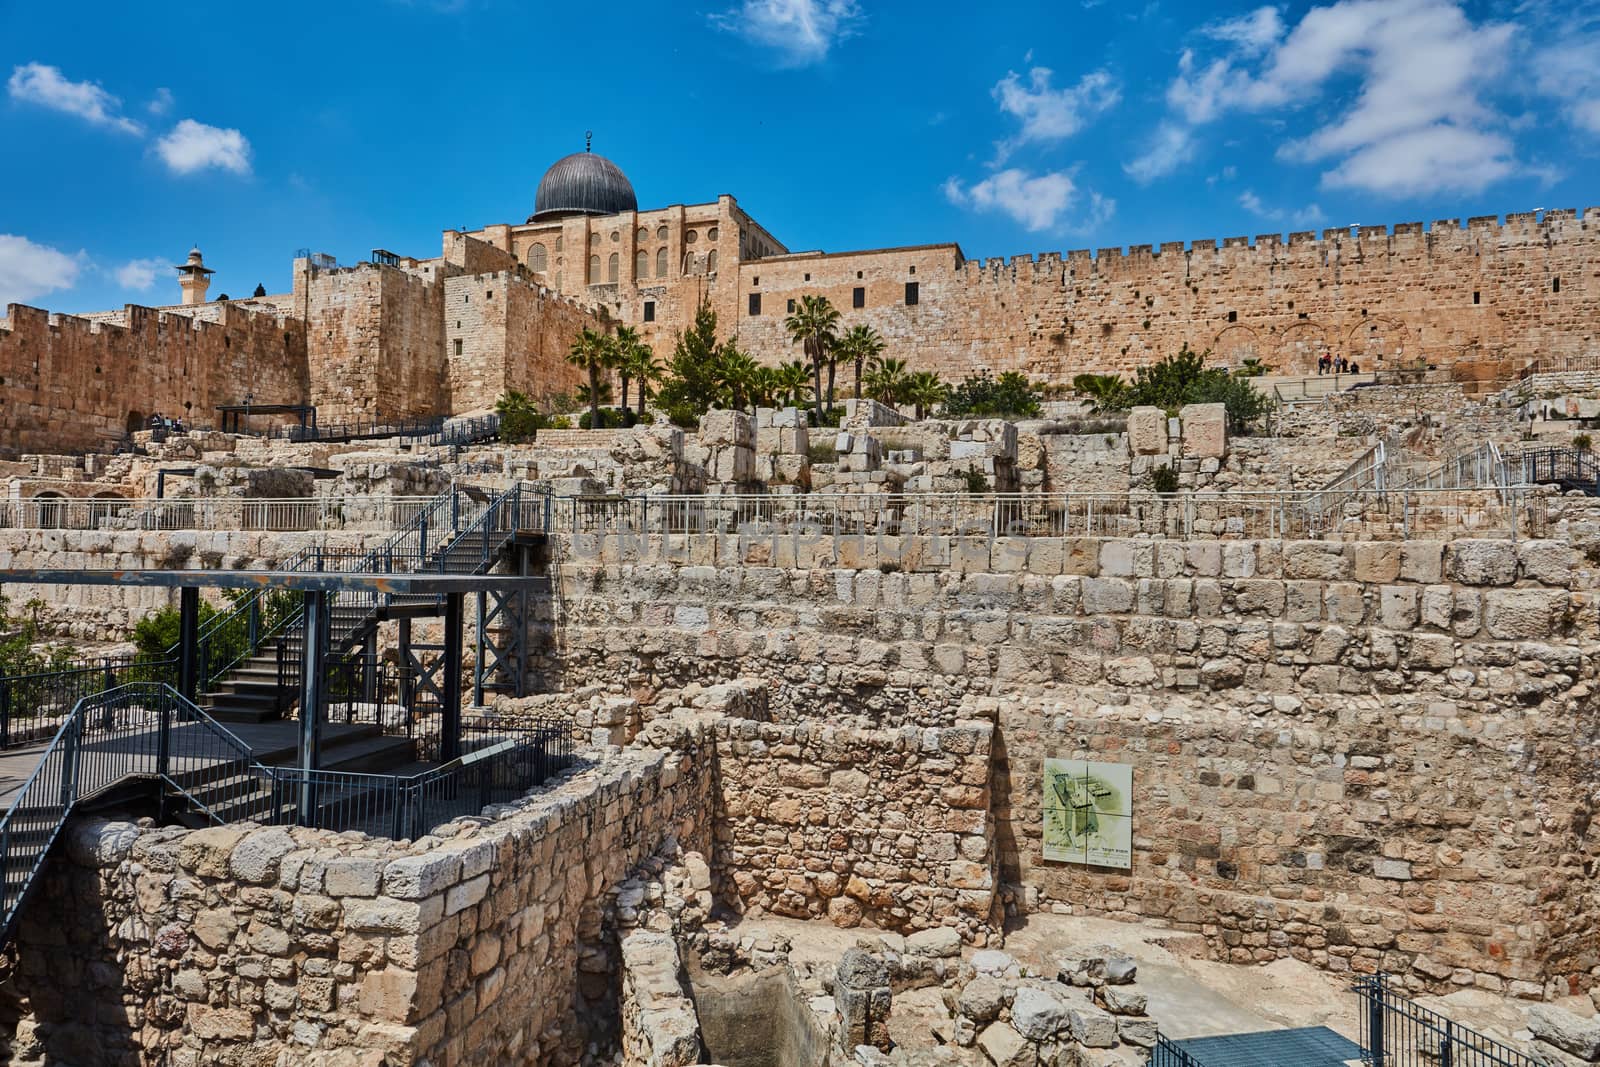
(1382, 297)
(240, 946)
(71, 384)
(1419, 757)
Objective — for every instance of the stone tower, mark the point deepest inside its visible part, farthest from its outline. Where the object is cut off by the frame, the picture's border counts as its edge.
(194, 278)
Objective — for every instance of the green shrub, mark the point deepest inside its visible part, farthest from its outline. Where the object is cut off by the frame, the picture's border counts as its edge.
(1185, 379)
(1010, 396)
(1582, 442)
(1164, 480)
(822, 452)
(683, 414)
(610, 419)
(976, 481)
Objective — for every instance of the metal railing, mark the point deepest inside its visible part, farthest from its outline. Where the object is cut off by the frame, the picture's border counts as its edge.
(355, 430)
(497, 765)
(1562, 466)
(210, 513)
(1398, 1032)
(33, 706)
(138, 729)
(1347, 515)
(1166, 1054)
(147, 730)
(1478, 468)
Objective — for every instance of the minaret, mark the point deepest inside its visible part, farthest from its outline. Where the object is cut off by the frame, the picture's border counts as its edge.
(194, 278)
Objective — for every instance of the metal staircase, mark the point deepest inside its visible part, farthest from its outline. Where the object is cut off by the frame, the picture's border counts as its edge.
(462, 531)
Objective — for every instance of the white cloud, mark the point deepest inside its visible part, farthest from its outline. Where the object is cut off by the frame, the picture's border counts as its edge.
(1421, 69)
(29, 270)
(800, 31)
(1253, 33)
(1308, 216)
(139, 273)
(1049, 114)
(160, 103)
(1170, 148)
(192, 146)
(46, 86)
(1037, 202)
(1570, 72)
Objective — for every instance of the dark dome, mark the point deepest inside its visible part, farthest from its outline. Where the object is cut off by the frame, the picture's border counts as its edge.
(582, 184)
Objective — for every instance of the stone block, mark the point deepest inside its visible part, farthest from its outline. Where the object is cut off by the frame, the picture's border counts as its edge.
(1397, 607)
(1568, 1032)
(941, 941)
(1422, 561)
(1038, 1014)
(1481, 562)
(1093, 1027)
(1378, 561)
(1205, 430)
(1005, 1047)
(1547, 562)
(1147, 431)
(1107, 596)
(1518, 614)
(1323, 560)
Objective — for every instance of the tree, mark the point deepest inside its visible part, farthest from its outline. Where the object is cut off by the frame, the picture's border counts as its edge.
(1105, 392)
(591, 351)
(1250, 368)
(1010, 396)
(692, 378)
(792, 383)
(624, 347)
(924, 389)
(646, 370)
(886, 380)
(861, 344)
(739, 375)
(1185, 379)
(519, 419)
(812, 325)
(585, 399)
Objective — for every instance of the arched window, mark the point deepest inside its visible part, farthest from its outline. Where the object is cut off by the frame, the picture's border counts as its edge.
(642, 236)
(558, 242)
(711, 261)
(661, 262)
(538, 258)
(558, 280)
(611, 269)
(641, 264)
(594, 270)
(711, 234)
(594, 239)
(691, 237)
(661, 233)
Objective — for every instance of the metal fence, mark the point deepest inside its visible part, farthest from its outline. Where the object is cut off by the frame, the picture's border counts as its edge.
(1398, 1032)
(33, 706)
(1345, 515)
(210, 513)
(1167, 1054)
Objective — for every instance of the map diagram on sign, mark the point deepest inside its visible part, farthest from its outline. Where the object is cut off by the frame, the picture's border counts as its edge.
(1088, 813)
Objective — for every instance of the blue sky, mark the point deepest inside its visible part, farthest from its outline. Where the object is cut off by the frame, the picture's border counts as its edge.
(133, 131)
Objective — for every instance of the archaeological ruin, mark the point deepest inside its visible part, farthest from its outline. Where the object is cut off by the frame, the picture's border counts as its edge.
(341, 724)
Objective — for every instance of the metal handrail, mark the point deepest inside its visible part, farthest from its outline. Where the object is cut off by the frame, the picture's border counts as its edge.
(272, 514)
(1398, 1032)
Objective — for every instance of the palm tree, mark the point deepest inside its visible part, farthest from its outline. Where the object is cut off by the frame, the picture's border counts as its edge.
(591, 352)
(792, 383)
(738, 373)
(1105, 392)
(886, 380)
(924, 389)
(603, 397)
(519, 418)
(646, 370)
(862, 344)
(623, 346)
(812, 325)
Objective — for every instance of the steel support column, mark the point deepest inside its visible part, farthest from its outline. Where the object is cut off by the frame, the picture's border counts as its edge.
(313, 652)
(188, 641)
(478, 647)
(450, 713)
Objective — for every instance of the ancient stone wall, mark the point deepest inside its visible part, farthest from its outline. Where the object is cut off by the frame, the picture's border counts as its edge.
(237, 945)
(69, 384)
(1341, 748)
(506, 332)
(890, 827)
(375, 342)
(1384, 298)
